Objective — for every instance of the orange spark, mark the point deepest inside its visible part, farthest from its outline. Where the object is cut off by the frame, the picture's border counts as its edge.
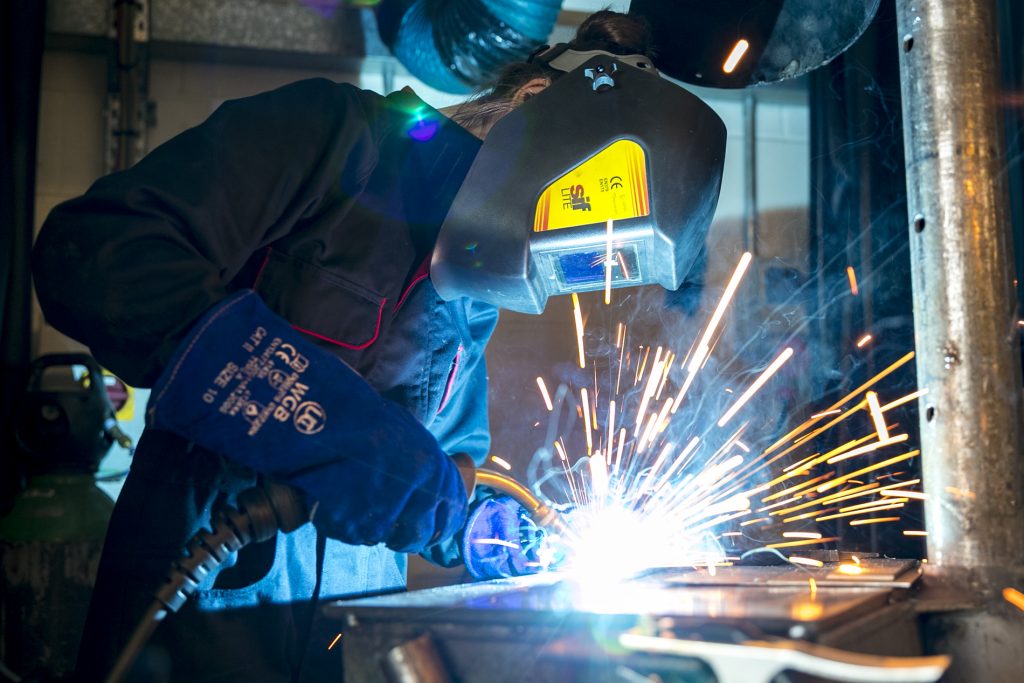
(874, 520)
(578, 317)
(561, 450)
(852, 277)
(758, 383)
(335, 641)
(608, 266)
(906, 399)
(735, 55)
(808, 541)
(841, 402)
(704, 345)
(870, 468)
(544, 394)
(1014, 597)
(917, 495)
(871, 447)
(876, 416)
(806, 561)
(586, 420)
(864, 341)
(501, 462)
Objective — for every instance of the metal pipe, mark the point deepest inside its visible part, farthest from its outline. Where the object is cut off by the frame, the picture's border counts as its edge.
(965, 320)
(415, 661)
(545, 516)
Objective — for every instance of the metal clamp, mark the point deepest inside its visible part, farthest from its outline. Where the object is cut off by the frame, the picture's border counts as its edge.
(757, 661)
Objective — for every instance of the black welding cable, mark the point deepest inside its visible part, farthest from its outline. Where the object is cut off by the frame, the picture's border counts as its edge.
(140, 636)
(8, 674)
(259, 513)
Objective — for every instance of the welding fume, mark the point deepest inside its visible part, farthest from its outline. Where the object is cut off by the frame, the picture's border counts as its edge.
(307, 281)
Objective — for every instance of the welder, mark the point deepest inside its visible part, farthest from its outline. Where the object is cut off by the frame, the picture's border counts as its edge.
(268, 274)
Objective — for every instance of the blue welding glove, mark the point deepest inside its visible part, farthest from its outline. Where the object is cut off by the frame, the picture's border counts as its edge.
(500, 540)
(246, 385)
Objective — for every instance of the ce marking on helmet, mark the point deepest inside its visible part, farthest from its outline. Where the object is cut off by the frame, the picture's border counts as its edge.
(616, 182)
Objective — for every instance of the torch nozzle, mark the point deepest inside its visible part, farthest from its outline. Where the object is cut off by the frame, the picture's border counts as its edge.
(541, 513)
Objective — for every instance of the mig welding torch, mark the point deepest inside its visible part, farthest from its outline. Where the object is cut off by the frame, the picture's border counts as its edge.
(257, 515)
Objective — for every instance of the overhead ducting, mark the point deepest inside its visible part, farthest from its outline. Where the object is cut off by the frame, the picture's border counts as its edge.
(457, 45)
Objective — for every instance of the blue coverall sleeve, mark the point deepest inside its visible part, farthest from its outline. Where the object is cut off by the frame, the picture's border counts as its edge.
(462, 426)
(128, 267)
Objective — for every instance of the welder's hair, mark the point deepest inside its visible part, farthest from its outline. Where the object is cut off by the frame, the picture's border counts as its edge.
(614, 32)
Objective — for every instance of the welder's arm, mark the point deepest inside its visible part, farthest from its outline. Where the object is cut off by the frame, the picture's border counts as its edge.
(128, 267)
(462, 426)
(246, 385)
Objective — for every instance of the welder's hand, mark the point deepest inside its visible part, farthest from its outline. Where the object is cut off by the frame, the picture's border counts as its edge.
(501, 540)
(246, 385)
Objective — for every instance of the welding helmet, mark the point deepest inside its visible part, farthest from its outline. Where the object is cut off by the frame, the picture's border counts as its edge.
(608, 143)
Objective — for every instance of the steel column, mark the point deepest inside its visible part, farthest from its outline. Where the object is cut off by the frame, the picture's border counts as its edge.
(965, 312)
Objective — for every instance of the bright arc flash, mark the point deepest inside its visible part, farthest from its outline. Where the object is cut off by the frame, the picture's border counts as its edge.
(578, 317)
(544, 394)
(738, 50)
(758, 383)
(608, 266)
(613, 542)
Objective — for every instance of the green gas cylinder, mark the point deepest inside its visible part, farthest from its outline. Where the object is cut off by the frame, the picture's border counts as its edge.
(50, 540)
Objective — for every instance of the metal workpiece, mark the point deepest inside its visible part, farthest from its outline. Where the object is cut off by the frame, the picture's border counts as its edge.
(762, 661)
(964, 614)
(965, 313)
(415, 661)
(683, 624)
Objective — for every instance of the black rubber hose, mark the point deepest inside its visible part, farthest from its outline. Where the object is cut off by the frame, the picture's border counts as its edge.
(257, 515)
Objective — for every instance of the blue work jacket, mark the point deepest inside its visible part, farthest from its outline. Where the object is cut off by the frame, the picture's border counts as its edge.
(327, 201)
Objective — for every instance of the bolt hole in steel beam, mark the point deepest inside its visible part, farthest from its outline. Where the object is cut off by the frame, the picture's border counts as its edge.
(929, 413)
(919, 223)
(908, 43)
